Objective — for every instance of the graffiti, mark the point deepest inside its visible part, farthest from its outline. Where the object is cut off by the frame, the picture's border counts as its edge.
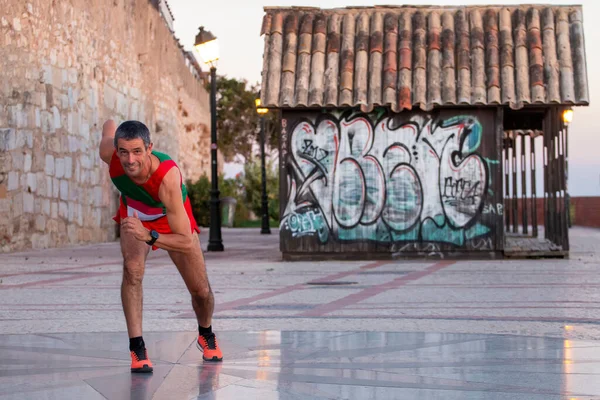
(493, 209)
(284, 136)
(307, 223)
(394, 181)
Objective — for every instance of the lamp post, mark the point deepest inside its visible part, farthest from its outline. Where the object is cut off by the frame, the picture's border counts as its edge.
(567, 117)
(265, 229)
(208, 48)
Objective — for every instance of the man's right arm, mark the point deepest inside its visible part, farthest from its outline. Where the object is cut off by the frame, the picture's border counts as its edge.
(107, 144)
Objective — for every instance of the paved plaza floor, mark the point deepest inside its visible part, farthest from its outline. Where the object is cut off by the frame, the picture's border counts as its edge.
(398, 329)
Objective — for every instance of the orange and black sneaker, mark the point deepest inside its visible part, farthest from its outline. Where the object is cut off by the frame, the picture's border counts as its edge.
(140, 361)
(207, 343)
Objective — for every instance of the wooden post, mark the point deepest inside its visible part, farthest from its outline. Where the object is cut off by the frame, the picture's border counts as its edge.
(534, 221)
(524, 185)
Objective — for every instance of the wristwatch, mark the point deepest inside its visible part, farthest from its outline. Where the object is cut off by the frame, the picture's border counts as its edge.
(154, 235)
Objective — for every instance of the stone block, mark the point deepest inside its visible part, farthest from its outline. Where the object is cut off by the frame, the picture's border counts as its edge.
(98, 196)
(73, 144)
(4, 209)
(58, 77)
(8, 139)
(28, 203)
(72, 234)
(46, 74)
(72, 76)
(80, 214)
(39, 241)
(122, 106)
(17, 116)
(85, 131)
(92, 98)
(54, 210)
(56, 118)
(77, 171)
(61, 62)
(70, 97)
(13, 180)
(40, 223)
(51, 226)
(28, 161)
(134, 92)
(28, 138)
(72, 211)
(47, 122)
(31, 183)
(63, 210)
(55, 188)
(38, 118)
(53, 144)
(110, 97)
(86, 161)
(17, 24)
(48, 96)
(18, 161)
(49, 165)
(134, 113)
(98, 217)
(64, 189)
(59, 167)
(49, 191)
(68, 167)
(42, 184)
(17, 205)
(85, 176)
(46, 207)
(37, 206)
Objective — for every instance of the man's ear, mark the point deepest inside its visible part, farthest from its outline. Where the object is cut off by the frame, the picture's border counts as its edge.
(150, 146)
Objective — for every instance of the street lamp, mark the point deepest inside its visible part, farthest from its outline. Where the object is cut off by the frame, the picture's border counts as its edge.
(567, 117)
(265, 229)
(208, 48)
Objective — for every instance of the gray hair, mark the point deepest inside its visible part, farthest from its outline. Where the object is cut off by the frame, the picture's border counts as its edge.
(130, 130)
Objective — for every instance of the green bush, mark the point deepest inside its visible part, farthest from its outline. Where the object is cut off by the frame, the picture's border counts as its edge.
(252, 184)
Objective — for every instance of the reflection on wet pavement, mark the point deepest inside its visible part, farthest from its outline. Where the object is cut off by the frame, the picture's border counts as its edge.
(302, 365)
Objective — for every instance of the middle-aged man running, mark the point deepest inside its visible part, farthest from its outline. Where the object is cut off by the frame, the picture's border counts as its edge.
(154, 212)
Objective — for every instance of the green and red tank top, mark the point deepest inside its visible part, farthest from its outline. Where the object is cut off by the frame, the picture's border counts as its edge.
(143, 198)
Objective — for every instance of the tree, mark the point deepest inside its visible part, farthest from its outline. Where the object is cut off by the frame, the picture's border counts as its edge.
(252, 183)
(238, 124)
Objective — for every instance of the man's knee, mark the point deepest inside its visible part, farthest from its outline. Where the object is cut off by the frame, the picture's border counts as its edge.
(202, 294)
(133, 272)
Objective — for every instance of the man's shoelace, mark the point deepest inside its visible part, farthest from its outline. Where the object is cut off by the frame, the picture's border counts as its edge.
(210, 341)
(140, 354)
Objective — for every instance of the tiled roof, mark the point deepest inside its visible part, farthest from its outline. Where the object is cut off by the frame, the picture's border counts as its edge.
(423, 57)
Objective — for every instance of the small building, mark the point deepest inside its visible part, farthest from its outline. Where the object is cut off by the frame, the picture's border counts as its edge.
(417, 131)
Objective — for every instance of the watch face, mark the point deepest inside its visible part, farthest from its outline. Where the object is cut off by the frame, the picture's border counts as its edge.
(154, 234)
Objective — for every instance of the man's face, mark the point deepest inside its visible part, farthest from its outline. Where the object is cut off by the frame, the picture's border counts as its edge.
(134, 156)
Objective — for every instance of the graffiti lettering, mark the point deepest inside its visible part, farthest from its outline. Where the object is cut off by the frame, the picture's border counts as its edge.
(307, 223)
(462, 189)
(493, 209)
(415, 181)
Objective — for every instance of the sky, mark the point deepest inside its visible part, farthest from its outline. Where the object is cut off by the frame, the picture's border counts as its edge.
(237, 23)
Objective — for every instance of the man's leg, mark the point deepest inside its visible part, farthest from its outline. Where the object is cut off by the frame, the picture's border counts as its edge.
(192, 268)
(134, 260)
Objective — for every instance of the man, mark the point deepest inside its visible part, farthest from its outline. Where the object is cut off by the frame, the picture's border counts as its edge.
(154, 212)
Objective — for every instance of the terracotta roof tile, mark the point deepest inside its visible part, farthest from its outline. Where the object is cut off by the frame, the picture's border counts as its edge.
(426, 57)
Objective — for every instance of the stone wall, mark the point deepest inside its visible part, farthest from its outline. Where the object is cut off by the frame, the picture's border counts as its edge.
(65, 67)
